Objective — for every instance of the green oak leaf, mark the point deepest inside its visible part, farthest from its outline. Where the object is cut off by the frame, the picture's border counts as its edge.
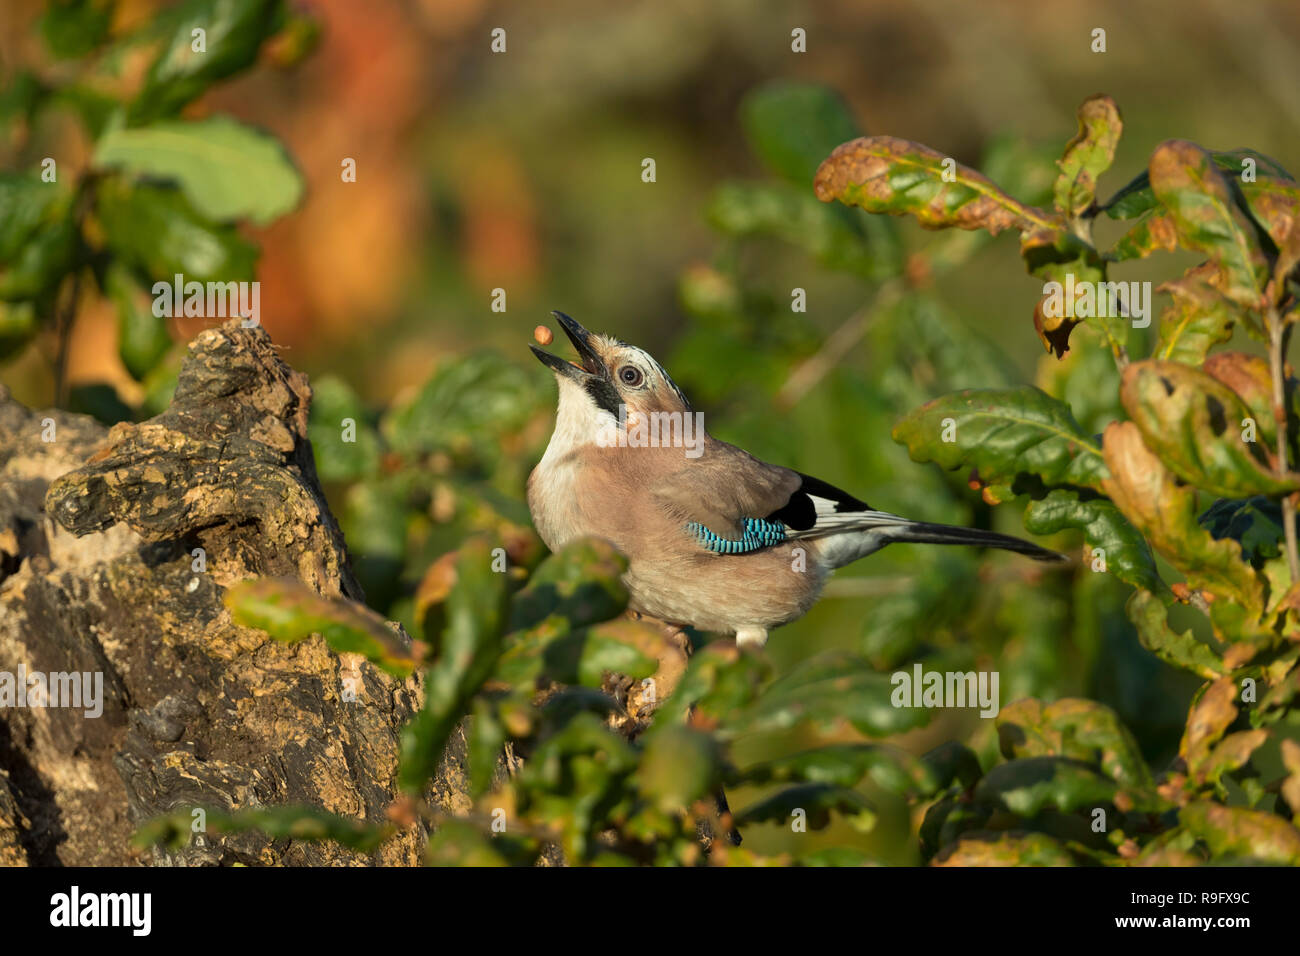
(816, 801)
(1004, 433)
(227, 170)
(1105, 529)
(156, 231)
(290, 611)
(233, 32)
(792, 126)
(1150, 616)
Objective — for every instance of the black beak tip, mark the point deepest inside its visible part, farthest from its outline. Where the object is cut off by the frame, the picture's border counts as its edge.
(557, 364)
(571, 327)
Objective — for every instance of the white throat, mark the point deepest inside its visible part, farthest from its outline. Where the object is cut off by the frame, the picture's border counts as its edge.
(578, 422)
(552, 495)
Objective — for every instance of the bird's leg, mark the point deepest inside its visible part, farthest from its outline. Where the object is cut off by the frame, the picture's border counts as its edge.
(751, 636)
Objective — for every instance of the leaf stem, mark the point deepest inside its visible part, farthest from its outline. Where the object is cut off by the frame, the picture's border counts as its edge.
(1277, 342)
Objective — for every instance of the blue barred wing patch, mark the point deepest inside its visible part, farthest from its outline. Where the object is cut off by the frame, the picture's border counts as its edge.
(758, 534)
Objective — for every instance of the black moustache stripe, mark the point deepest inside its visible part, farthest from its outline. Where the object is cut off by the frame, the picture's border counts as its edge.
(603, 394)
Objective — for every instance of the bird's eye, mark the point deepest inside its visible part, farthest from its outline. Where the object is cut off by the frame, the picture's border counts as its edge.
(630, 376)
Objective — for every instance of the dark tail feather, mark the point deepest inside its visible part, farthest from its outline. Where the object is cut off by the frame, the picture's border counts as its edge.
(922, 532)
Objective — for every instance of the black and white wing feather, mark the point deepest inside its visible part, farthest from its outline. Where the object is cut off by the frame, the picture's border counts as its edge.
(820, 510)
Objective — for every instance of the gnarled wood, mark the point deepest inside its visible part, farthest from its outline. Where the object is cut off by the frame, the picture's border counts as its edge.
(97, 574)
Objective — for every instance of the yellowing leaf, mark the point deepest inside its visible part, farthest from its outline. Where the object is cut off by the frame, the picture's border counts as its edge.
(1088, 155)
(1199, 318)
(1189, 185)
(884, 174)
(1236, 832)
(1165, 512)
(1196, 424)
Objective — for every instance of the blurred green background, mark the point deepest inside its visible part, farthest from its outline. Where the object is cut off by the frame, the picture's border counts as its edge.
(522, 171)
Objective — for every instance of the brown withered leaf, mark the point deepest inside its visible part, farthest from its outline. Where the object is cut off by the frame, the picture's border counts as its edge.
(436, 584)
(1210, 717)
(1231, 753)
(1053, 331)
(1060, 257)
(1291, 785)
(1240, 654)
(1165, 511)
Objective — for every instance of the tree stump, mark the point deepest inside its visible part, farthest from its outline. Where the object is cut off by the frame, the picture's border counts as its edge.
(115, 551)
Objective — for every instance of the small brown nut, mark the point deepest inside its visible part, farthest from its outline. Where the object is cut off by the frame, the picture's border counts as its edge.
(543, 335)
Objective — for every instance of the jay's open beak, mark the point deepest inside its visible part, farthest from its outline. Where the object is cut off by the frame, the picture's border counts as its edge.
(592, 365)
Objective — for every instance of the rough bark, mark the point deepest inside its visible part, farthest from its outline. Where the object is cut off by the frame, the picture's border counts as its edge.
(97, 538)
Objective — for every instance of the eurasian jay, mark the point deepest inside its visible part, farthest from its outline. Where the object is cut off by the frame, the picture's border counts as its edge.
(714, 538)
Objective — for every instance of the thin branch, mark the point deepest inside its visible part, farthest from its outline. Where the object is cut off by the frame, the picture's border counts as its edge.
(837, 345)
(63, 322)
